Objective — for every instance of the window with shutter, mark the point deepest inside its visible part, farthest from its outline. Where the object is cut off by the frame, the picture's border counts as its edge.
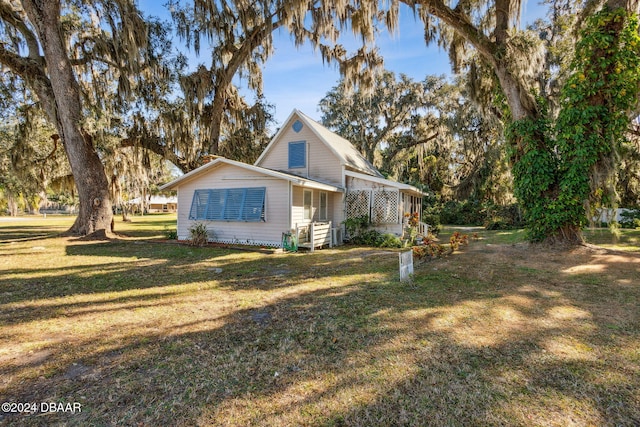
(215, 205)
(297, 154)
(253, 209)
(233, 204)
(199, 204)
(230, 204)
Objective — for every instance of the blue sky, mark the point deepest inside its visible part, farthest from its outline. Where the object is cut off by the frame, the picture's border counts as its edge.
(297, 78)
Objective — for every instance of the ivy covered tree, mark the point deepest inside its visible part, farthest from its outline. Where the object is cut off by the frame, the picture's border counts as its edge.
(560, 166)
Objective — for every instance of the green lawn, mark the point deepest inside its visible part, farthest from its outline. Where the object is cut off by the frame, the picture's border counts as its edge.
(140, 331)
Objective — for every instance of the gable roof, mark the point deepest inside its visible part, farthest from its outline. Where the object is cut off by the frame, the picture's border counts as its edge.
(339, 146)
(296, 180)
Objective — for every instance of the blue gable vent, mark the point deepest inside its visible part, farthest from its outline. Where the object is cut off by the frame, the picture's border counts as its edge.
(297, 126)
(297, 154)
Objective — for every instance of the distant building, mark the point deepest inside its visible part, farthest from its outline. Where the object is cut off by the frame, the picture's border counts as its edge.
(154, 204)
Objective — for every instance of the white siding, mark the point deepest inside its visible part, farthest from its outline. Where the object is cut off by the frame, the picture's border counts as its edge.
(322, 164)
(297, 209)
(229, 176)
(334, 207)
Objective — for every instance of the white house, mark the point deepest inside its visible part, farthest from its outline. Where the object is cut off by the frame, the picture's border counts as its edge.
(308, 180)
(155, 204)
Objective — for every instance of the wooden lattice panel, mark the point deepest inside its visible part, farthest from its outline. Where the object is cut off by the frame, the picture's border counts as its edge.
(358, 203)
(384, 209)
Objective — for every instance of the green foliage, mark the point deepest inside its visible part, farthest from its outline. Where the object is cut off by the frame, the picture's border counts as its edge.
(171, 233)
(503, 217)
(355, 226)
(591, 126)
(467, 212)
(390, 241)
(431, 216)
(554, 181)
(630, 219)
(472, 212)
(198, 234)
(368, 238)
(360, 234)
(377, 239)
(534, 173)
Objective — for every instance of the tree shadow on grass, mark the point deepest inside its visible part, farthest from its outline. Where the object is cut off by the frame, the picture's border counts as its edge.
(455, 347)
(27, 234)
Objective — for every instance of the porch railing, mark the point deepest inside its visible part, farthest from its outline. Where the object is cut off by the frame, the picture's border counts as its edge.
(314, 235)
(423, 229)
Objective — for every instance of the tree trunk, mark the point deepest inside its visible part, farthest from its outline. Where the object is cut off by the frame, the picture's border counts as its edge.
(95, 215)
(532, 184)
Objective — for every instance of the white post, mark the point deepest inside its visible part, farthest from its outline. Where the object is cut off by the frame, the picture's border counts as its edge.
(406, 265)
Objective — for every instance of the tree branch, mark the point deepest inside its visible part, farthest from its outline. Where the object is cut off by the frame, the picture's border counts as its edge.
(12, 17)
(155, 145)
(413, 143)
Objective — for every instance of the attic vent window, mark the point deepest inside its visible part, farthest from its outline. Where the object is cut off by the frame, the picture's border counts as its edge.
(297, 126)
(297, 154)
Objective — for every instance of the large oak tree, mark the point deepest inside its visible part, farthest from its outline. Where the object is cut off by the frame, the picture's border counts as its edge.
(79, 59)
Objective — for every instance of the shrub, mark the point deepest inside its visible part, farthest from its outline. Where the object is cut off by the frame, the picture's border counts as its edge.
(431, 216)
(458, 239)
(356, 226)
(429, 249)
(170, 234)
(368, 238)
(390, 241)
(198, 234)
(630, 219)
(503, 217)
(468, 212)
(360, 234)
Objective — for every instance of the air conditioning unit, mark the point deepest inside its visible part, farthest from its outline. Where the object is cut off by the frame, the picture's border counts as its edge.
(337, 236)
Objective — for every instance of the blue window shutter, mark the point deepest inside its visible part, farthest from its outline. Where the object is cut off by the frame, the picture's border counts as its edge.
(297, 154)
(230, 204)
(253, 204)
(233, 204)
(199, 204)
(215, 204)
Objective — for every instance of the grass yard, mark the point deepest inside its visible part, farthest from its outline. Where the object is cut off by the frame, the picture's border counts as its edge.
(143, 332)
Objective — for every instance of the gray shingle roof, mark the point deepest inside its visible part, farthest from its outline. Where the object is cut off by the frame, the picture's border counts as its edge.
(342, 148)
